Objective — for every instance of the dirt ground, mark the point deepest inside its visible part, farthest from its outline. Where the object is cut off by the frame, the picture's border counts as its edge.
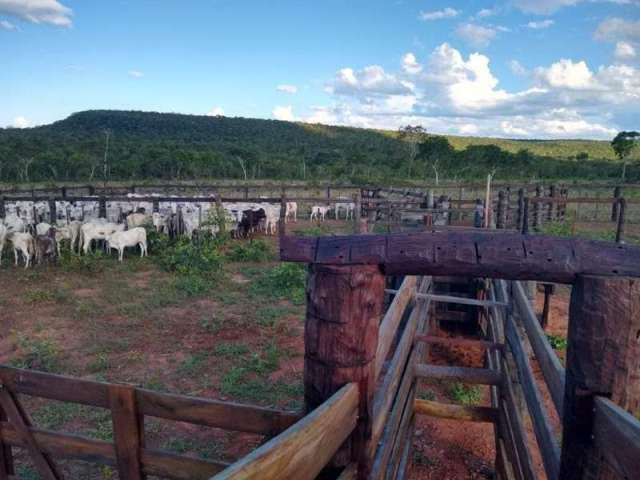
(127, 323)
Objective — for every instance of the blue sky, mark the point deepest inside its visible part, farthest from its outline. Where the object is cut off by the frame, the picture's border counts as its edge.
(522, 68)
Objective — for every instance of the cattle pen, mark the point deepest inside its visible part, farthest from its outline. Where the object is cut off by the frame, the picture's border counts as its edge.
(362, 361)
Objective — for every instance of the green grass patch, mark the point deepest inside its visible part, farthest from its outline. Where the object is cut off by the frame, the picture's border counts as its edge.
(284, 281)
(557, 342)
(319, 230)
(37, 354)
(465, 394)
(251, 251)
(228, 349)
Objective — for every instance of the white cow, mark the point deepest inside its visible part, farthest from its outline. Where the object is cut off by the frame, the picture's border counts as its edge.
(319, 212)
(348, 208)
(74, 230)
(14, 224)
(129, 238)
(159, 222)
(3, 237)
(97, 231)
(291, 213)
(22, 243)
(63, 233)
(42, 228)
(137, 220)
(272, 213)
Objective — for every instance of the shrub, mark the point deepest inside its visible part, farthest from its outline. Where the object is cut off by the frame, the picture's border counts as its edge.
(252, 251)
(185, 258)
(465, 394)
(284, 281)
(38, 354)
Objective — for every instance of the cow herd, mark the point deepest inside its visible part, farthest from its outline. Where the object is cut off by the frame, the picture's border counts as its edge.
(81, 225)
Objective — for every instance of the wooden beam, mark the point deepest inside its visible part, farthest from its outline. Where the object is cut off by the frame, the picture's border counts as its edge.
(462, 300)
(495, 255)
(304, 449)
(603, 359)
(455, 412)
(127, 434)
(480, 376)
(460, 342)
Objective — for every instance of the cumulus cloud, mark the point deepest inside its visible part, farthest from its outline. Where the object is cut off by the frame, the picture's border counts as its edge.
(543, 7)
(614, 29)
(283, 113)
(216, 112)
(136, 74)
(369, 81)
(542, 24)
(477, 36)
(7, 25)
(487, 12)
(410, 64)
(439, 14)
(452, 93)
(38, 11)
(624, 51)
(284, 88)
(20, 122)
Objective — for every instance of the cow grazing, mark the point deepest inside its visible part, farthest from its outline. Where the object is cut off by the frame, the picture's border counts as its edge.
(291, 212)
(22, 244)
(46, 246)
(97, 231)
(129, 238)
(250, 221)
(319, 212)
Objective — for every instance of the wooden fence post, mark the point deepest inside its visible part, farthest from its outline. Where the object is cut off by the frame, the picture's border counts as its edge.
(520, 214)
(551, 208)
(127, 431)
(537, 209)
(621, 218)
(3, 212)
(283, 216)
(358, 225)
(525, 216)
(103, 207)
(614, 207)
(501, 220)
(52, 211)
(603, 358)
(156, 206)
(344, 307)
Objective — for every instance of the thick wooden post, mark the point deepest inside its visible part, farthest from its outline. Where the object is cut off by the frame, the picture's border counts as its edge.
(520, 209)
(103, 207)
(156, 206)
(537, 209)
(3, 212)
(358, 225)
(603, 358)
(525, 216)
(52, 211)
(344, 307)
(551, 207)
(501, 220)
(621, 218)
(283, 216)
(614, 207)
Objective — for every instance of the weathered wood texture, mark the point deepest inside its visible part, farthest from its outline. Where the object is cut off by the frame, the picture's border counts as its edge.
(344, 308)
(495, 255)
(304, 449)
(549, 363)
(392, 318)
(127, 433)
(455, 412)
(603, 358)
(460, 342)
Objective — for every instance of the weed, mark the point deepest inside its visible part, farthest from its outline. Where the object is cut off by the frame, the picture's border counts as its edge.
(192, 285)
(314, 231)
(465, 394)
(185, 258)
(193, 363)
(251, 251)
(54, 415)
(231, 349)
(286, 280)
(90, 263)
(99, 364)
(38, 354)
(211, 324)
(557, 342)
(426, 394)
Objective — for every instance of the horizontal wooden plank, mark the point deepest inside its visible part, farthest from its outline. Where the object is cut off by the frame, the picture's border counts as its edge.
(495, 255)
(154, 462)
(461, 300)
(304, 449)
(459, 342)
(552, 369)
(616, 435)
(480, 376)
(214, 413)
(455, 412)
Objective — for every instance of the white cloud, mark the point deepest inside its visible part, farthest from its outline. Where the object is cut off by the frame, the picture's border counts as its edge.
(215, 112)
(566, 74)
(283, 113)
(371, 80)
(439, 14)
(136, 74)
(410, 64)
(476, 35)
(614, 29)
(487, 12)
(20, 122)
(454, 94)
(38, 11)
(517, 68)
(542, 24)
(284, 88)
(624, 50)
(6, 25)
(543, 7)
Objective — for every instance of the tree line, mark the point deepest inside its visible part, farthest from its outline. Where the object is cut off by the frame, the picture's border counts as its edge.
(143, 145)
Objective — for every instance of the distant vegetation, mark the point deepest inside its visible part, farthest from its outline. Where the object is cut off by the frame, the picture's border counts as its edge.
(180, 147)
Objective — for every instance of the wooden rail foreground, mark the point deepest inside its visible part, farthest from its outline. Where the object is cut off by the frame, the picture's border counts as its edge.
(493, 255)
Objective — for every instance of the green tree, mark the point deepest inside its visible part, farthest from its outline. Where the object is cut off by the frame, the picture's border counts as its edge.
(623, 144)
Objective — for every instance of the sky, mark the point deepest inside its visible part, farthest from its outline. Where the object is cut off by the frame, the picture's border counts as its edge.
(516, 69)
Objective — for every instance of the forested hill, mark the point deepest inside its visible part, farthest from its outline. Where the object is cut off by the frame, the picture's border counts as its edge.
(173, 146)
